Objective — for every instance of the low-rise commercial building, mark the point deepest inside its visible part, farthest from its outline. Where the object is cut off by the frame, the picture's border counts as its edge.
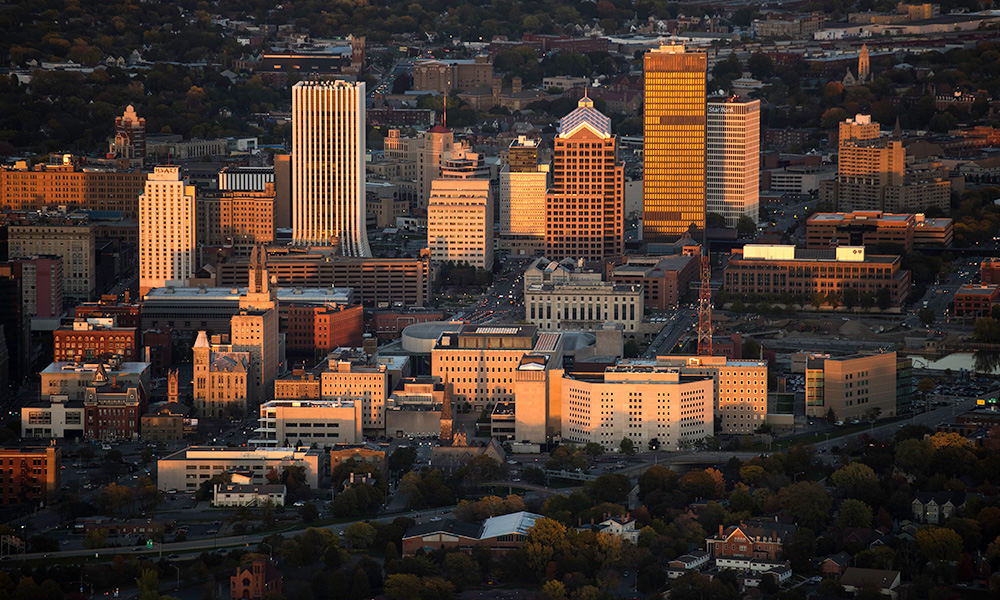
(665, 280)
(71, 379)
(94, 338)
(31, 474)
(976, 300)
(165, 422)
(869, 228)
(187, 469)
(240, 494)
(765, 269)
(851, 387)
(497, 534)
(319, 423)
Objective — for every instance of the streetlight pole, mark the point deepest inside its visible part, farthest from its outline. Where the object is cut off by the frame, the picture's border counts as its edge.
(178, 569)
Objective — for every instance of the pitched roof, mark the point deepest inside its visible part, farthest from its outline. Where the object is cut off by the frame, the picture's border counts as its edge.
(585, 116)
(855, 576)
(451, 526)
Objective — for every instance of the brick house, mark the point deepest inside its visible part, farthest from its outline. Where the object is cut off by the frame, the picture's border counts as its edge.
(758, 539)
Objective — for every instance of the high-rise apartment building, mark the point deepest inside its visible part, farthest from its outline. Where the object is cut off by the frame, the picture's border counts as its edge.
(673, 192)
(732, 158)
(130, 136)
(328, 165)
(870, 169)
(523, 185)
(166, 230)
(460, 222)
(584, 210)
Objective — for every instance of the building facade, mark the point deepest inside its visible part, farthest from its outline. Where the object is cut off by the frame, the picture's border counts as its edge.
(976, 300)
(71, 185)
(523, 185)
(480, 360)
(460, 222)
(763, 269)
(851, 386)
(130, 136)
(328, 169)
(319, 423)
(42, 278)
(74, 241)
(93, 339)
(187, 469)
(740, 389)
(674, 120)
(166, 230)
(223, 378)
(665, 280)
(659, 406)
(583, 306)
(31, 474)
(584, 212)
(732, 158)
(322, 328)
(236, 217)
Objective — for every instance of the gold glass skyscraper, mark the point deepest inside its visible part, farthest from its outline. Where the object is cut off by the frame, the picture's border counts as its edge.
(673, 193)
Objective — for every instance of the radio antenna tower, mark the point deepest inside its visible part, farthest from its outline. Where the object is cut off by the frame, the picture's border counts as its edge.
(705, 309)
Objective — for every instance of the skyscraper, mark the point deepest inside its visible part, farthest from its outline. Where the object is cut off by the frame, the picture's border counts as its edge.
(673, 193)
(328, 169)
(166, 230)
(523, 185)
(460, 222)
(732, 158)
(584, 211)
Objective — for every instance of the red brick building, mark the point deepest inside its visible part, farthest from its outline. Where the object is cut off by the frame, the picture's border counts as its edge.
(389, 325)
(665, 280)
(127, 315)
(990, 271)
(323, 328)
(94, 338)
(29, 474)
(256, 583)
(758, 539)
(112, 411)
(976, 300)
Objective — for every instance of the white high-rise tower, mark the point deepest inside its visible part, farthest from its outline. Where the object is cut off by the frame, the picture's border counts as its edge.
(166, 230)
(328, 165)
(732, 158)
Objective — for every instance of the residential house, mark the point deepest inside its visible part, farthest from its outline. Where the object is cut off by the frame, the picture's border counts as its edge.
(854, 578)
(685, 563)
(623, 527)
(936, 507)
(834, 566)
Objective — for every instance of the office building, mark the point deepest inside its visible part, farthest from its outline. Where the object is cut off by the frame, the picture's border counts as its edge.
(328, 168)
(479, 361)
(870, 228)
(187, 469)
(740, 388)
(974, 300)
(223, 379)
(374, 281)
(523, 185)
(447, 76)
(764, 269)
(130, 136)
(867, 166)
(732, 158)
(165, 422)
(95, 338)
(412, 163)
(323, 328)
(249, 179)
(645, 405)
(673, 193)
(851, 386)
(31, 476)
(166, 230)
(236, 217)
(42, 279)
(72, 185)
(665, 280)
(319, 423)
(71, 238)
(460, 222)
(584, 213)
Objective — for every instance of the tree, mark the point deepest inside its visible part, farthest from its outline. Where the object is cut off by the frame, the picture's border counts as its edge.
(714, 220)
(854, 513)
(939, 544)
(360, 535)
(402, 458)
(854, 477)
(657, 479)
(554, 590)
(631, 349)
(746, 226)
(593, 449)
(95, 538)
(927, 316)
(707, 483)
(308, 512)
(610, 487)
(627, 447)
(807, 502)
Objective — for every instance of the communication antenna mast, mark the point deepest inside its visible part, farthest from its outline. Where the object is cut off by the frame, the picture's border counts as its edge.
(705, 309)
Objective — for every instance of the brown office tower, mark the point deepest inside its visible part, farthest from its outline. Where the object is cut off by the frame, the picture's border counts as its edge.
(673, 192)
(584, 210)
